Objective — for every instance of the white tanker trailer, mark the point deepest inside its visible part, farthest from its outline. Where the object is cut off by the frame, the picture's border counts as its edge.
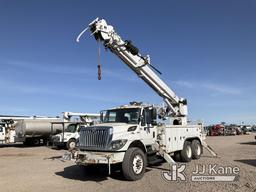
(33, 131)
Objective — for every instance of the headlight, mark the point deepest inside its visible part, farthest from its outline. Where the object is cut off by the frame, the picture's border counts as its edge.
(118, 144)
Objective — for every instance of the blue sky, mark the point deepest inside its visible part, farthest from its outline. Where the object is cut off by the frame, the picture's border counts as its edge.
(205, 49)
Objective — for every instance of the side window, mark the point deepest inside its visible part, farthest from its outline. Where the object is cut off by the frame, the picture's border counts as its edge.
(71, 128)
(134, 117)
(112, 116)
(1, 129)
(127, 116)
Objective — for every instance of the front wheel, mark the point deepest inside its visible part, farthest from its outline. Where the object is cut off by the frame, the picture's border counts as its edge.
(71, 144)
(134, 164)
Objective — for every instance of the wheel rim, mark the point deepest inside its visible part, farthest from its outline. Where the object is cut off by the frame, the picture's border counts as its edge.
(72, 145)
(189, 151)
(137, 164)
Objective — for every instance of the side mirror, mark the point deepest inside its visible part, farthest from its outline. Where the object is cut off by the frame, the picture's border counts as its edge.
(149, 120)
(154, 117)
(142, 119)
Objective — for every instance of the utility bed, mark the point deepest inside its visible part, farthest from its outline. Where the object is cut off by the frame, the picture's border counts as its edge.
(175, 135)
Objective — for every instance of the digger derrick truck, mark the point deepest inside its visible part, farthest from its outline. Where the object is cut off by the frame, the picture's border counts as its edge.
(135, 135)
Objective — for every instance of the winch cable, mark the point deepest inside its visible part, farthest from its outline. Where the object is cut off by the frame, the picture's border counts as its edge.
(99, 65)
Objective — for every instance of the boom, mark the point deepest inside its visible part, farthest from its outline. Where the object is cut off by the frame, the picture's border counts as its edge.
(129, 54)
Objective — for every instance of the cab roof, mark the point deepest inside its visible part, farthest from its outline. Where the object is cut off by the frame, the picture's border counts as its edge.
(132, 105)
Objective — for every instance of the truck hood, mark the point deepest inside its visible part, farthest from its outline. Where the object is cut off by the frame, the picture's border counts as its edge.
(65, 134)
(117, 127)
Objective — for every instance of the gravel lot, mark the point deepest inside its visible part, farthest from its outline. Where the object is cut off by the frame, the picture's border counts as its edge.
(40, 169)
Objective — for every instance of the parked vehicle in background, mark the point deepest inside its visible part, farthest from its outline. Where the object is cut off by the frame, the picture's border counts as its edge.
(68, 137)
(70, 130)
(29, 130)
(230, 130)
(36, 131)
(207, 130)
(238, 130)
(7, 132)
(249, 128)
(216, 130)
(244, 129)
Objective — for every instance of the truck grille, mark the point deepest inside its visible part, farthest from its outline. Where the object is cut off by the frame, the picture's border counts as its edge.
(95, 138)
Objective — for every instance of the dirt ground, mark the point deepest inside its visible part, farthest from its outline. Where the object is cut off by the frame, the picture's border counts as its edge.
(40, 169)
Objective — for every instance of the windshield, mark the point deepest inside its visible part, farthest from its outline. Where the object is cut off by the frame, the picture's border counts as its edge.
(122, 116)
(71, 128)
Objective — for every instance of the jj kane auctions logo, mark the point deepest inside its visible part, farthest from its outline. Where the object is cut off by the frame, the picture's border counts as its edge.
(212, 172)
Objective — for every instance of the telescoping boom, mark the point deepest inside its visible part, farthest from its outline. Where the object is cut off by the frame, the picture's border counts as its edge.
(129, 54)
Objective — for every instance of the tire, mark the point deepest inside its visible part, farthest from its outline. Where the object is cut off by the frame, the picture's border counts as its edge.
(196, 149)
(45, 142)
(71, 144)
(186, 153)
(27, 142)
(177, 157)
(36, 141)
(134, 164)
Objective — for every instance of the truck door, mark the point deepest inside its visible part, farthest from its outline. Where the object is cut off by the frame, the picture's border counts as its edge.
(2, 133)
(148, 129)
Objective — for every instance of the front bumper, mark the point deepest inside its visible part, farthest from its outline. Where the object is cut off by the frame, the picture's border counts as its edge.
(59, 143)
(88, 157)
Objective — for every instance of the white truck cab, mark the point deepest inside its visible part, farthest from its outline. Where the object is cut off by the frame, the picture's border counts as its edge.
(69, 137)
(70, 133)
(7, 132)
(2, 133)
